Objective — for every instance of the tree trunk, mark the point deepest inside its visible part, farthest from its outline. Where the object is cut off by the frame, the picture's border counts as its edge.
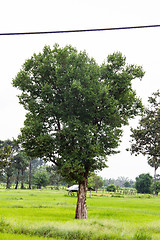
(17, 179)
(22, 184)
(155, 189)
(8, 182)
(29, 176)
(81, 209)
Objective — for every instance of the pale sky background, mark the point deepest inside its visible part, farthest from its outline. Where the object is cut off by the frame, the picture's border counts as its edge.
(140, 46)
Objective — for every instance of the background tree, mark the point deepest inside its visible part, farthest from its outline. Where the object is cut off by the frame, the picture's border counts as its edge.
(21, 161)
(119, 182)
(55, 177)
(95, 181)
(17, 168)
(40, 178)
(143, 183)
(155, 163)
(76, 110)
(5, 153)
(146, 138)
(127, 184)
(34, 165)
(24, 164)
(30, 173)
(8, 173)
(157, 187)
(111, 188)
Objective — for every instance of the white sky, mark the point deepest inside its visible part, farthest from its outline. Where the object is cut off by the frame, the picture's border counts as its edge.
(140, 47)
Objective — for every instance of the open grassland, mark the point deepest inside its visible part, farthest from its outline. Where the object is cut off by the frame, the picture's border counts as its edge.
(44, 214)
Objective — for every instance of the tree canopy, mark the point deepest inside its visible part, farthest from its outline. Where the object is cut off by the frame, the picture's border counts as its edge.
(6, 153)
(143, 183)
(76, 109)
(146, 138)
(95, 181)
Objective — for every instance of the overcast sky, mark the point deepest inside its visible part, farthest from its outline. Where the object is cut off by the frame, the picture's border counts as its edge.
(140, 46)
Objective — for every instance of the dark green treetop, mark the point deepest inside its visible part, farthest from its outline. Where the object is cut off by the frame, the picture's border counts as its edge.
(143, 183)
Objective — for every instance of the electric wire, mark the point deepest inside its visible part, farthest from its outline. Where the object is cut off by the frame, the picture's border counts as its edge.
(79, 30)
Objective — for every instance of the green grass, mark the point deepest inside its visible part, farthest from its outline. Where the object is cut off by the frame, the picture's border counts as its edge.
(10, 236)
(44, 214)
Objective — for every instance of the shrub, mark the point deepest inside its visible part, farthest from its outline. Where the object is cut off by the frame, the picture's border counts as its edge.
(111, 188)
(40, 178)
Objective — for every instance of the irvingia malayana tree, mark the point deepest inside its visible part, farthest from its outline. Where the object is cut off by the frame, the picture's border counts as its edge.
(76, 110)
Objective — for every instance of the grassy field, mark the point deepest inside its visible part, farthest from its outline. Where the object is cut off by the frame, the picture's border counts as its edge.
(44, 214)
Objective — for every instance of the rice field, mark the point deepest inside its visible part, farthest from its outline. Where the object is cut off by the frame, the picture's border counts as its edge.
(49, 214)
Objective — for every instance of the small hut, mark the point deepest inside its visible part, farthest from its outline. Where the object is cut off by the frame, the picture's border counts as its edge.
(75, 188)
(72, 189)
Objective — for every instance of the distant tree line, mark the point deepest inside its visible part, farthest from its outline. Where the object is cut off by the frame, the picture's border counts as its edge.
(144, 184)
(16, 168)
(19, 170)
(120, 182)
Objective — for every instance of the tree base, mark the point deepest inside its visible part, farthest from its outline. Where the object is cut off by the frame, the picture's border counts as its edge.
(81, 210)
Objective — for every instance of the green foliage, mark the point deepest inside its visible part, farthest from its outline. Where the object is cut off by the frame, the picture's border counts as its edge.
(95, 181)
(127, 184)
(7, 151)
(55, 177)
(145, 139)
(5, 154)
(157, 187)
(76, 108)
(16, 162)
(111, 188)
(143, 183)
(120, 182)
(40, 178)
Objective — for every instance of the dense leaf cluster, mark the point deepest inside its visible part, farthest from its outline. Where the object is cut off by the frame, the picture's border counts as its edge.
(143, 183)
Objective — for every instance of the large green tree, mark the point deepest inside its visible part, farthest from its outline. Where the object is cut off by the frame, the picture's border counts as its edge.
(146, 137)
(143, 183)
(76, 110)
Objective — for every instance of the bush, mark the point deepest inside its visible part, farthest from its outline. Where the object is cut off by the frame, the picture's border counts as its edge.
(40, 178)
(111, 188)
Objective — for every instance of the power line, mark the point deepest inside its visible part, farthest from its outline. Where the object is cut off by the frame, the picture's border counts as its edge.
(80, 30)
